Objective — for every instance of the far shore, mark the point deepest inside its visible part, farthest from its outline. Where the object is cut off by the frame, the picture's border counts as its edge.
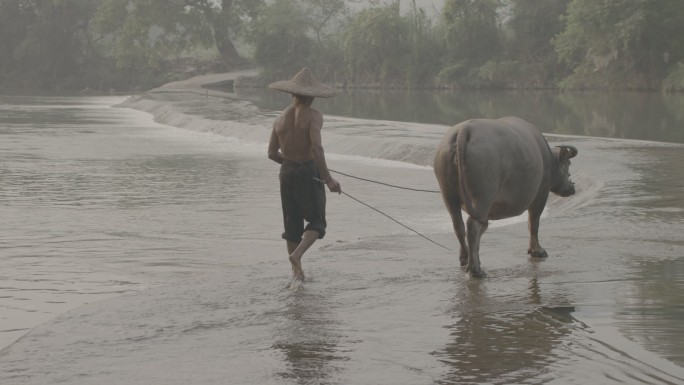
(226, 82)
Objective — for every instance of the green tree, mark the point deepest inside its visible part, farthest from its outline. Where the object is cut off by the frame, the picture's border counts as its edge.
(146, 31)
(281, 38)
(473, 37)
(376, 44)
(322, 14)
(533, 24)
(426, 48)
(16, 18)
(327, 18)
(621, 43)
(227, 22)
(52, 48)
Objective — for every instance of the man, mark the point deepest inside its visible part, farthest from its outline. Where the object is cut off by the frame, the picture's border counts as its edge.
(296, 144)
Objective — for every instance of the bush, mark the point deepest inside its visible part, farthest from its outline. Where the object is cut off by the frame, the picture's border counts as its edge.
(500, 73)
(453, 74)
(675, 79)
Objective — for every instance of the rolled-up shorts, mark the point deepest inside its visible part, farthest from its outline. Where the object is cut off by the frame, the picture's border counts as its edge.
(303, 199)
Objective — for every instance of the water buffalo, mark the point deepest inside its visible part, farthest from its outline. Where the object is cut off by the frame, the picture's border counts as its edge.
(495, 169)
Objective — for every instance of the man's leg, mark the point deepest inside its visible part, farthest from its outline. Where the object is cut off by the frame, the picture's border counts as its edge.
(291, 247)
(308, 239)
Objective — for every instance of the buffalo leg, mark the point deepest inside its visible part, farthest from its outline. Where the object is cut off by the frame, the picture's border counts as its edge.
(454, 207)
(533, 214)
(475, 231)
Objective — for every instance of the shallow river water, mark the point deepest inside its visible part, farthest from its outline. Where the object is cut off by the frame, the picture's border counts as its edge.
(134, 252)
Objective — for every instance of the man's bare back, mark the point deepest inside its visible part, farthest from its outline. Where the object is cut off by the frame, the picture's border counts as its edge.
(296, 136)
(293, 131)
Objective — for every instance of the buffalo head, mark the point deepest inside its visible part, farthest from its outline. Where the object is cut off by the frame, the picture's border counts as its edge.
(562, 185)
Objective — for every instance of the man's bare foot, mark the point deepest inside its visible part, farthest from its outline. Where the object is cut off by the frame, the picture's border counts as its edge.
(297, 271)
(294, 284)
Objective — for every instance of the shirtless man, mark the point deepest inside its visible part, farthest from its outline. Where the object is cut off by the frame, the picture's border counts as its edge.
(296, 144)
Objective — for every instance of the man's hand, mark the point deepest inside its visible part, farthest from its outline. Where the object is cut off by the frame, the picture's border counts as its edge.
(333, 185)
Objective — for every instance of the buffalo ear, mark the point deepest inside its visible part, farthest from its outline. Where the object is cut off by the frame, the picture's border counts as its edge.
(571, 149)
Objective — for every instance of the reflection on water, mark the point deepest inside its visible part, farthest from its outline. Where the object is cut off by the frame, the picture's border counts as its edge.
(656, 205)
(661, 183)
(645, 116)
(653, 314)
(307, 339)
(502, 339)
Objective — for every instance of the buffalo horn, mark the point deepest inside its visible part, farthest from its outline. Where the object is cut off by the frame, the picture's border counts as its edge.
(573, 149)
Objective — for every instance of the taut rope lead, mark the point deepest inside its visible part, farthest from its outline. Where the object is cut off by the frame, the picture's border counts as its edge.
(373, 208)
(384, 184)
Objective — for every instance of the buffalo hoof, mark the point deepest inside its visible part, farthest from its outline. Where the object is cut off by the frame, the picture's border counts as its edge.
(476, 273)
(540, 253)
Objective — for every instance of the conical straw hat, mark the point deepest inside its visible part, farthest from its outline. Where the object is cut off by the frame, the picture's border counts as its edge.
(303, 83)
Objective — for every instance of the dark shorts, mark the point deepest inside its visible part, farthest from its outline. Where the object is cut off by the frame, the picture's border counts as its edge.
(303, 199)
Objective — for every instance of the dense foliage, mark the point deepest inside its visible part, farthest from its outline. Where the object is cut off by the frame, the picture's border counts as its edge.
(104, 44)
(636, 43)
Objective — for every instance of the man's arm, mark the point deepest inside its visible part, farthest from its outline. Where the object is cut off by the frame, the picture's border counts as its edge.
(274, 147)
(318, 153)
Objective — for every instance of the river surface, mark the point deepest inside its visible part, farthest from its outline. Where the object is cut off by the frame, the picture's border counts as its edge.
(143, 252)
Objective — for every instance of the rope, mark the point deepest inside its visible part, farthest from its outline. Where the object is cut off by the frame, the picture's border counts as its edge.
(401, 224)
(385, 184)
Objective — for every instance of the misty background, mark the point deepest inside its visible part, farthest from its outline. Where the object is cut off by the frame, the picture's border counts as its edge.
(123, 45)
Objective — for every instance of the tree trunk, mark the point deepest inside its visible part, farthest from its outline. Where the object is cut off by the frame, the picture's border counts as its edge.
(225, 46)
